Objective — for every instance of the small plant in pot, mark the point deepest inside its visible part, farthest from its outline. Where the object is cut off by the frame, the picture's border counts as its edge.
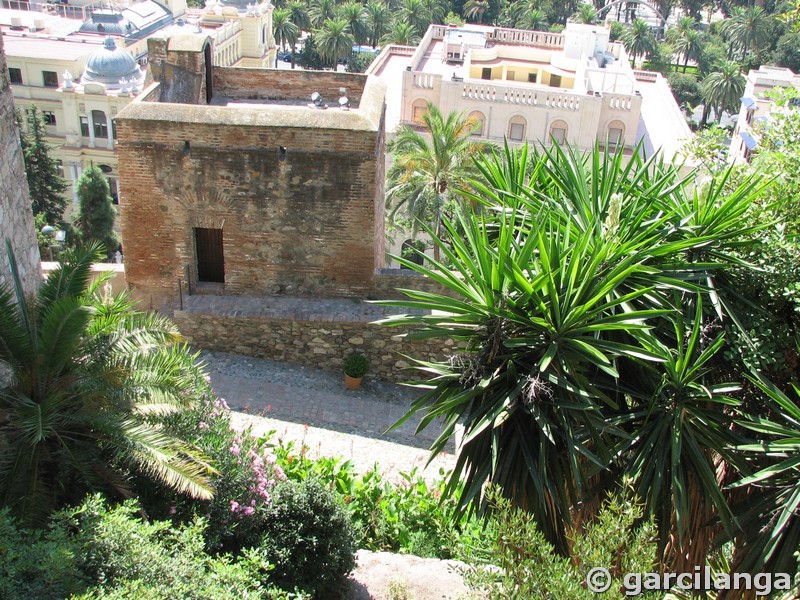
(355, 366)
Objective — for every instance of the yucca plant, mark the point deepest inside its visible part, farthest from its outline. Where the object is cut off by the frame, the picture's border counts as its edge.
(578, 291)
(90, 376)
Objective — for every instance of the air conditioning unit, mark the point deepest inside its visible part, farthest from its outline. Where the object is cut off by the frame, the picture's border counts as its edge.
(38, 24)
(16, 23)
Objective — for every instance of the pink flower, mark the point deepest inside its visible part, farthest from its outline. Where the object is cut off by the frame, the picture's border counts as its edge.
(172, 510)
(203, 425)
(248, 510)
(234, 506)
(235, 449)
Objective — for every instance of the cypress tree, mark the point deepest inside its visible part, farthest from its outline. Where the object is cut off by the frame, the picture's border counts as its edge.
(46, 186)
(97, 212)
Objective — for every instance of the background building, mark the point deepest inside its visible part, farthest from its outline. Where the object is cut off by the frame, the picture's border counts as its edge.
(756, 106)
(80, 64)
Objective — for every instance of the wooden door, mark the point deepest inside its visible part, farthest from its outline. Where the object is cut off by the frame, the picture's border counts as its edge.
(210, 258)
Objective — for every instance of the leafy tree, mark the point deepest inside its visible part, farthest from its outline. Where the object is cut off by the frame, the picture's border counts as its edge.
(334, 40)
(320, 11)
(402, 34)
(748, 29)
(46, 186)
(359, 62)
(96, 215)
(787, 51)
(299, 15)
(583, 294)
(309, 57)
(438, 9)
(286, 33)
(722, 89)
(586, 13)
(378, 18)
(89, 372)
(638, 39)
(425, 174)
(355, 15)
(708, 149)
(416, 14)
(685, 89)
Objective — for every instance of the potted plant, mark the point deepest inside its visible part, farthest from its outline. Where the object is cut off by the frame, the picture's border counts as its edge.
(355, 366)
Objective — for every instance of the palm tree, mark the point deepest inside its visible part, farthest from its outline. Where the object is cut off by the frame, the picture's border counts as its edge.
(286, 33)
(586, 13)
(356, 17)
(402, 34)
(722, 89)
(416, 14)
(474, 9)
(334, 40)
(638, 39)
(690, 45)
(535, 20)
(320, 11)
(378, 17)
(89, 375)
(437, 10)
(748, 28)
(299, 15)
(426, 174)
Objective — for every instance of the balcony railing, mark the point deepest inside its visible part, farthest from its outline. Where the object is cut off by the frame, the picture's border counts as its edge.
(537, 97)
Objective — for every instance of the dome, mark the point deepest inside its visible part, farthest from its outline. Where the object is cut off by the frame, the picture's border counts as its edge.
(109, 64)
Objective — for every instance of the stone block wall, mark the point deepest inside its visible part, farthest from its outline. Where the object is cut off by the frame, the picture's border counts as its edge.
(320, 343)
(16, 218)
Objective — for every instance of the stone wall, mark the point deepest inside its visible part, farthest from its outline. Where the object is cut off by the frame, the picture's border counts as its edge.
(16, 219)
(317, 343)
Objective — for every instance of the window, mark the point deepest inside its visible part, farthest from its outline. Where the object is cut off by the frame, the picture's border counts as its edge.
(558, 132)
(49, 117)
(50, 79)
(516, 129)
(555, 80)
(616, 134)
(85, 126)
(15, 75)
(60, 168)
(113, 188)
(532, 77)
(486, 73)
(419, 108)
(114, 128)
(99, 124)
(510, 75)
(479, 120)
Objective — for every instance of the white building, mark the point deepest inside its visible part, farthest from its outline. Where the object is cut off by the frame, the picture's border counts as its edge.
(530, 86)
(756, 106)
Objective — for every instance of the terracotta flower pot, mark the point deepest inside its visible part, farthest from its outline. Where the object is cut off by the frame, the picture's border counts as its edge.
(352, 383)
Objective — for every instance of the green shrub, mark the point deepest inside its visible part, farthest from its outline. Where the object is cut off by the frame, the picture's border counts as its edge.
(99, 552)
(356, 365)
(308, 537)
(529, 567)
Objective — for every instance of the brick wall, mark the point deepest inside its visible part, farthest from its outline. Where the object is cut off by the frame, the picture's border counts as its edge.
(315, 343)
(16, 219)
(274, 84)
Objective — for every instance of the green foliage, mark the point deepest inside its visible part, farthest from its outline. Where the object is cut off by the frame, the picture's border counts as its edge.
(46, 186)
(359, 62)
(97, 212)
(708, 149)
(89, 371)
(685, 89)
(94, 551)
(308, 537)
(638, 39)
(566, 376)
(309, 57)
(529, 567)
(787, 51)
(356, 364)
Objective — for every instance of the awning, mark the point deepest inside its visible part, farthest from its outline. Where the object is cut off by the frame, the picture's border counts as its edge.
(749, 140)
(750, 103)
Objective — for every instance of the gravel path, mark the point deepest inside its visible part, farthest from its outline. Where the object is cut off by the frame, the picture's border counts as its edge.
(312, 406)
